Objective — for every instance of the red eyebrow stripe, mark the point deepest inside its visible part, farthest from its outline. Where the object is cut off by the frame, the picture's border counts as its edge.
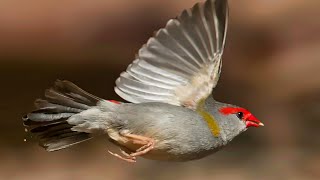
(114, 101)
(233, 110)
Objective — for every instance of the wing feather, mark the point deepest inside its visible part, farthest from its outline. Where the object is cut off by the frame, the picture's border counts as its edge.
(181, 64)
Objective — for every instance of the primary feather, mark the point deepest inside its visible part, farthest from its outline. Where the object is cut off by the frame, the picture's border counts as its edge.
(182, 63)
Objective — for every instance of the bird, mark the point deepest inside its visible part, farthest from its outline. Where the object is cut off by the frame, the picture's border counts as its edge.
(169, 113)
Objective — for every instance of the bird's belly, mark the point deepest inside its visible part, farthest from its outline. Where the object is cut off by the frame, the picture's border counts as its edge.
(170, 154)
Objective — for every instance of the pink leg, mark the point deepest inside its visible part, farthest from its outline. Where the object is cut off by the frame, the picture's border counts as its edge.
(147, 144)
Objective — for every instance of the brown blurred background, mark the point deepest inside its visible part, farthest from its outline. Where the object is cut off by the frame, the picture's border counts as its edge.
(271, 66)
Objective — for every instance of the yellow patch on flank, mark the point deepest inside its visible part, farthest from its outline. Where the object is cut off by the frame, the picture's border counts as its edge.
(213, 126)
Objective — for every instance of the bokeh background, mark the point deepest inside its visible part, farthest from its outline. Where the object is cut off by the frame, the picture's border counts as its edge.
(271, 66)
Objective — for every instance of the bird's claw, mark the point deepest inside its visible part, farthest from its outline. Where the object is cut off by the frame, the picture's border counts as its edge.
(127, 157)
(147, 144)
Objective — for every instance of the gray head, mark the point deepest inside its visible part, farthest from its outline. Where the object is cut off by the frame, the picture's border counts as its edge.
(231, 119)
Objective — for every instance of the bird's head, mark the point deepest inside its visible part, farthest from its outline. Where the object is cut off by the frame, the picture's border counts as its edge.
(242, 114)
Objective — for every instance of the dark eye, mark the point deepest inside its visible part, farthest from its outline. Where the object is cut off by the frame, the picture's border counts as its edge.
(239, 115)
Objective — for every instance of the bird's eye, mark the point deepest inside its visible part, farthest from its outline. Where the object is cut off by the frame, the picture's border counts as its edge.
(239, 115)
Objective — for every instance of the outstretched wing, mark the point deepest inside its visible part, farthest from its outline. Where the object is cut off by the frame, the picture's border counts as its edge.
(181, 64)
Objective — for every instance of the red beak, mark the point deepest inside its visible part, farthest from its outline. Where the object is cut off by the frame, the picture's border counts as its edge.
(252, 121)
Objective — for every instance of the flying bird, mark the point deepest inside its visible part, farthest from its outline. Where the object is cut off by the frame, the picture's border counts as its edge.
(170, 114)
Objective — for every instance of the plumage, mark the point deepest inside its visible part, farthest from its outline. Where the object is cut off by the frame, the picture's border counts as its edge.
(185, 57)
(172, 115)
(49, 121)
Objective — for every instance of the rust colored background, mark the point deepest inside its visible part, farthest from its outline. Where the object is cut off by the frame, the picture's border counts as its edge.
(271, 66)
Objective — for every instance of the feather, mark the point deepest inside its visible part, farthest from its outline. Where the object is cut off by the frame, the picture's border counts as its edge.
(55, 144)
(181, 64)
(49, 122)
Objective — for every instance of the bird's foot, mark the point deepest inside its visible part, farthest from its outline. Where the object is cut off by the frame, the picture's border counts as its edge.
(127, 157)
(147, 144)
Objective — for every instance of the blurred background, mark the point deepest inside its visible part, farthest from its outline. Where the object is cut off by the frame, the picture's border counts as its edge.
(271, 66)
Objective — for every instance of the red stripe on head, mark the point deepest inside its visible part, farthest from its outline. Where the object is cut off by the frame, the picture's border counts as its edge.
(247, 116)
(233, 110)
(114, 101)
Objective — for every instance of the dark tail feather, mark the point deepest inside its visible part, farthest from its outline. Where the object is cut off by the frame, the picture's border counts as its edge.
(49, 121)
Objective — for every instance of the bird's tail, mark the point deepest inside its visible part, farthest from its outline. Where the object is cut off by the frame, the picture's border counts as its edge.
(49, 121)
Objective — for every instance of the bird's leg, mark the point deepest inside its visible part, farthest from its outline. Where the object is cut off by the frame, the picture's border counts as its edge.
(127, 157)
(147, 144)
